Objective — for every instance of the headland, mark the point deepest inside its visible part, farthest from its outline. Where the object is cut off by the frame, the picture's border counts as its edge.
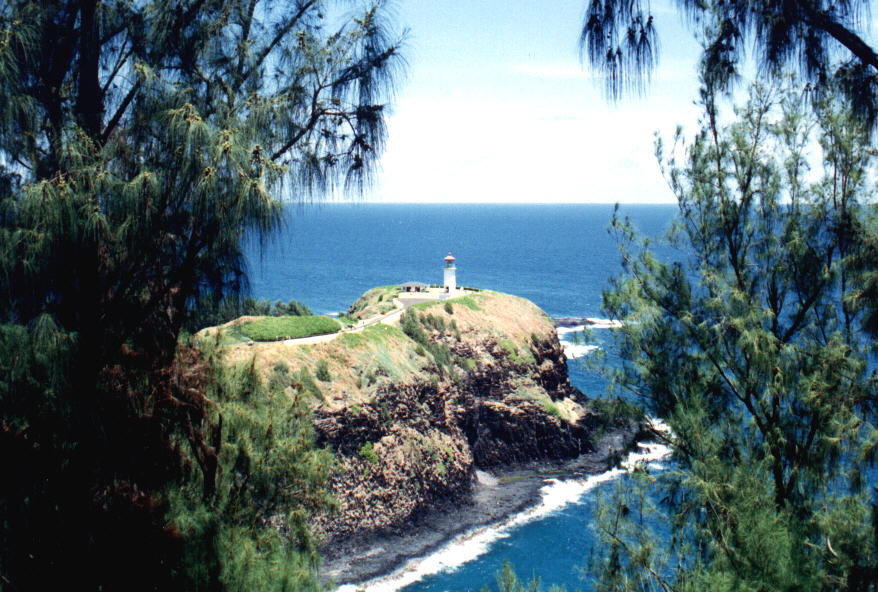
(444, 414)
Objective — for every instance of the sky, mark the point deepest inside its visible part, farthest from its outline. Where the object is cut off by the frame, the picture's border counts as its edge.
(496, 106)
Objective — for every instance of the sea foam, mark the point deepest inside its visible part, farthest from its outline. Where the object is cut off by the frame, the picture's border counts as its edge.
(554, 495)
(577, 350)
(595, 323)
(572, 349)
(565, 330)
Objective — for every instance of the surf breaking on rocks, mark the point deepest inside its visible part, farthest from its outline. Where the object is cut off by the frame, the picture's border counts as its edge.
(555, 495)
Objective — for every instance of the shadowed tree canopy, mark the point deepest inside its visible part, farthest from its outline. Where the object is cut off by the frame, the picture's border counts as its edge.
(751, 345)
(139, 141)
(821, 39)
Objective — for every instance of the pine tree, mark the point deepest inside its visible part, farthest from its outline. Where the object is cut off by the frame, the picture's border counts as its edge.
(822, 40)
(751, 346)
(139, 142)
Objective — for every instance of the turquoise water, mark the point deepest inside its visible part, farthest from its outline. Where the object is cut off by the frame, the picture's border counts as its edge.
(558, 256)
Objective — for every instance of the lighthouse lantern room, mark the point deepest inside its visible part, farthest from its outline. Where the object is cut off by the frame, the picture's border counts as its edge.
(450, 274)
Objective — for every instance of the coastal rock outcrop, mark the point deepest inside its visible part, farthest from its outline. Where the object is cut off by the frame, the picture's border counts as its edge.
(411, 409)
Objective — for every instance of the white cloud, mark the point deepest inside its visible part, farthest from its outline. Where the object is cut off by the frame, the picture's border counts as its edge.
(500, 109)
(467, 151)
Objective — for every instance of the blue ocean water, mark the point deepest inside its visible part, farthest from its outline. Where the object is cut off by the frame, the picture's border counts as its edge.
(559, 256)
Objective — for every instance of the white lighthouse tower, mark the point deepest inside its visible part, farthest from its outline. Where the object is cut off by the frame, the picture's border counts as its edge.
(450, 274)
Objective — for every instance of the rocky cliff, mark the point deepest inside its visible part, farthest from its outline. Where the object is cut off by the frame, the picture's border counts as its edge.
(413, 407)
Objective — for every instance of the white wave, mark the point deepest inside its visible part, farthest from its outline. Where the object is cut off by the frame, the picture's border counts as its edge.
(486, 478)
(659, 425)
(648, 454)
(577, 350)
(595, 323)
(566, 330)
(554, 495)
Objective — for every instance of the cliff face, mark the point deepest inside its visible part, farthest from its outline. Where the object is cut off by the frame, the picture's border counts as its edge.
(412, 409)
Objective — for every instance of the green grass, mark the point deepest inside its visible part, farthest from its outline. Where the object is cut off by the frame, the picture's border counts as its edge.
(512, 349)
(277, 328)
(469, 301)
(367, 451)
(378, 334)
(551, 408)
(369, 303)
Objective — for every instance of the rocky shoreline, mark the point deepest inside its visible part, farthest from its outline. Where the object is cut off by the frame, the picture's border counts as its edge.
(447, 419)
(493, 498)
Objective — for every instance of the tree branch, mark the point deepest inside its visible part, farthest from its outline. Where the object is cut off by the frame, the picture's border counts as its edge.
(277, 39)
(849, 39)
(123, 106)
(89, 101)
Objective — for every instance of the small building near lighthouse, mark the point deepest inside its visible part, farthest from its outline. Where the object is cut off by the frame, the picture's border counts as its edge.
(450, 274)
(411, 293)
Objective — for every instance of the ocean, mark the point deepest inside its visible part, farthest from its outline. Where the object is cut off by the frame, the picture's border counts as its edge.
(560, 257)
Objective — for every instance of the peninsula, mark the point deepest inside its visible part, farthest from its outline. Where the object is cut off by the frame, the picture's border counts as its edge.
(425, 400)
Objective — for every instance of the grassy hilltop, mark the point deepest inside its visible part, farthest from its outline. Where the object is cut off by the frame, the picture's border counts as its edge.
(355, 365)
(412, 402)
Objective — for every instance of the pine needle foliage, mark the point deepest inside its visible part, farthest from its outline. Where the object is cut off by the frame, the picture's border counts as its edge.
(826, 41)
(750, 349)
(269, 473)
(139, 142)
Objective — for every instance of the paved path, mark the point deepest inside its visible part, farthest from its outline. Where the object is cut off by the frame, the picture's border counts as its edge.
(389, 318)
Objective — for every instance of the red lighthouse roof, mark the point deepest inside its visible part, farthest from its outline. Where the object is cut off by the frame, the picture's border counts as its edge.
(448, 257)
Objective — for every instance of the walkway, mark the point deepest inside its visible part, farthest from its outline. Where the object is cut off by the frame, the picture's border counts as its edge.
(388, 318)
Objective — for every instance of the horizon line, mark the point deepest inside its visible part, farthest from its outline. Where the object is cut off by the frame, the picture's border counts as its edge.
(497, 203)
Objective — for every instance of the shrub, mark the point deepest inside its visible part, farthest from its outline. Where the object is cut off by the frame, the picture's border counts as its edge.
(280, 376)
(617, 412)
(307, 385)
(551, 408)
(367, 452)
(289, 327)
(322, 371)
(210, 313)
(448, 308)
(411, 326)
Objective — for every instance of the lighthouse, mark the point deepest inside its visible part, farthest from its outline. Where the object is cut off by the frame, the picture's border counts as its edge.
(450, 274)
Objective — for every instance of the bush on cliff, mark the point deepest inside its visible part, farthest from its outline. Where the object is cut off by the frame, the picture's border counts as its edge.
(367, 452)
(277, 328)
(411, 324)
(213, 312)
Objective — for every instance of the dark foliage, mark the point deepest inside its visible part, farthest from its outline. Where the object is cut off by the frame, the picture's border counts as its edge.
(213, 312)
(750, 349)
(138, 143)
(819, 38)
